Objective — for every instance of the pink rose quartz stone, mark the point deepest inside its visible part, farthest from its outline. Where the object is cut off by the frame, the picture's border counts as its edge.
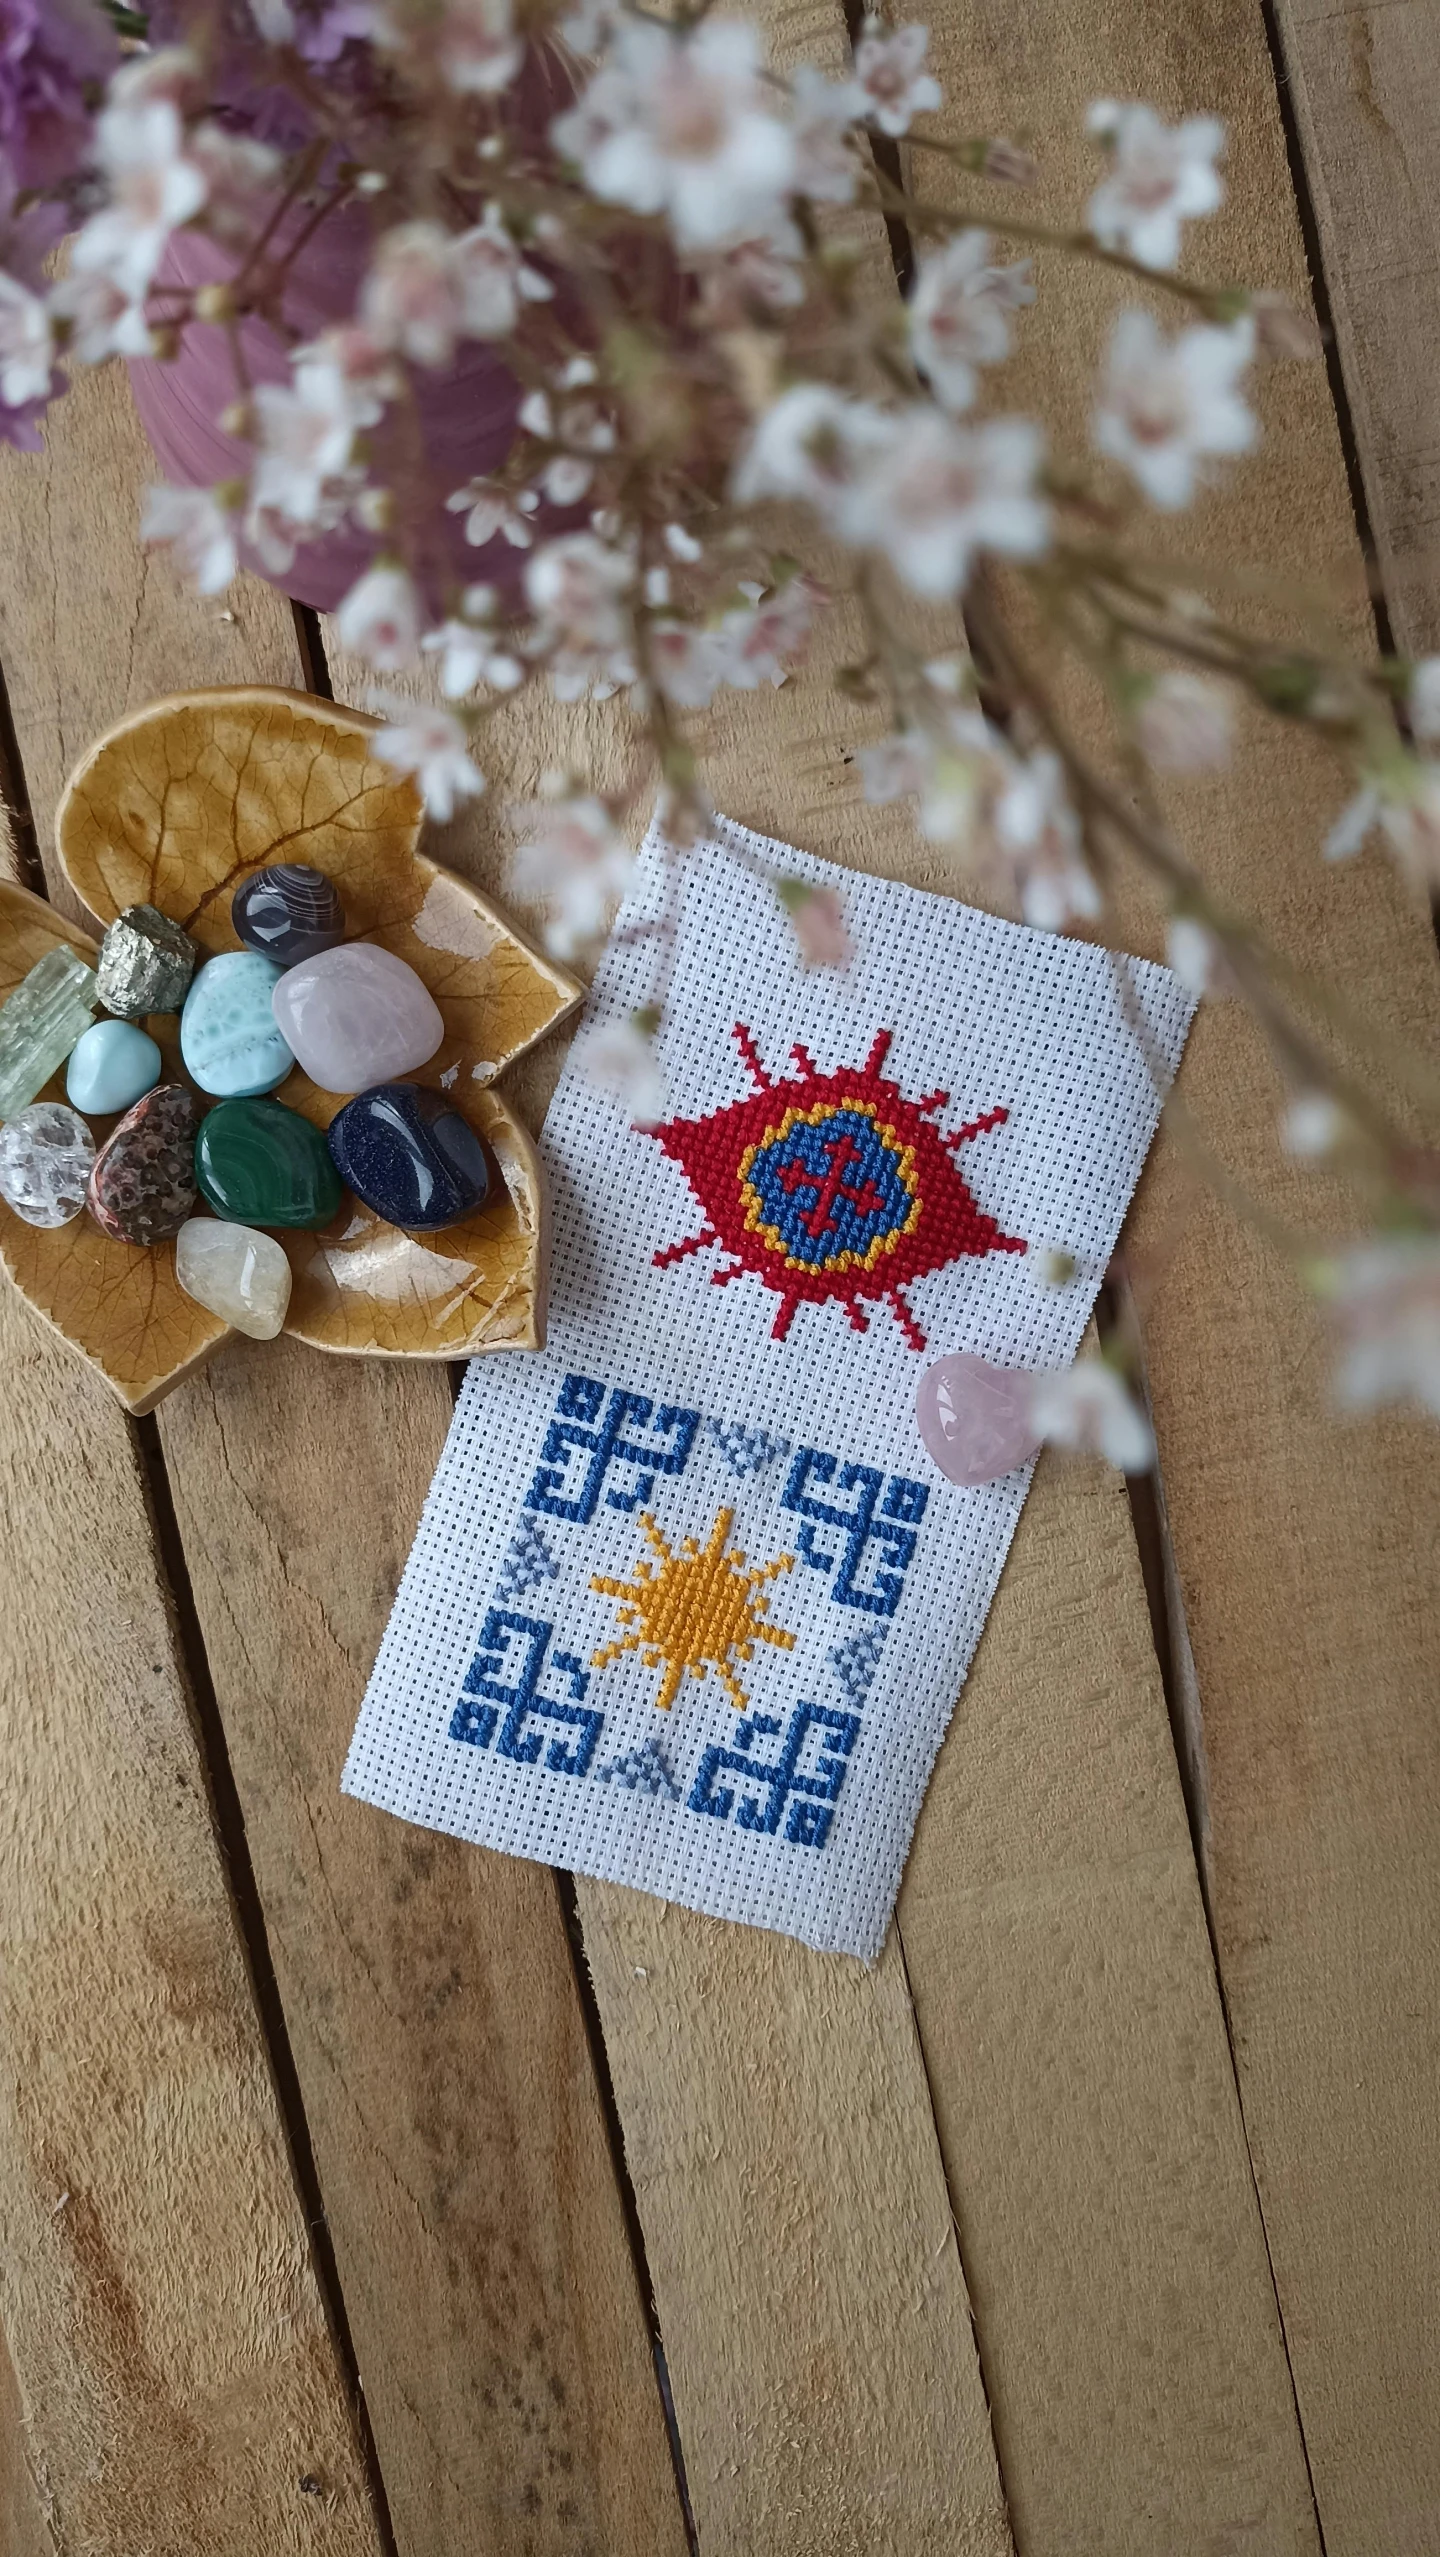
(975, 1418)
(356, 1016)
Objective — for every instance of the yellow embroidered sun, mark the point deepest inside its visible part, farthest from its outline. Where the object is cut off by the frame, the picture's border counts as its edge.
(694, 1611)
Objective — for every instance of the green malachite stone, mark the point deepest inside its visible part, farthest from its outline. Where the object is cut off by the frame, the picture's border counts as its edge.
(258, 1163)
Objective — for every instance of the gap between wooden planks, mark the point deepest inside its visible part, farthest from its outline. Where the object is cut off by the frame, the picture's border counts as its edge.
(439, 2047)
(1304, 1548)
(177, 2378)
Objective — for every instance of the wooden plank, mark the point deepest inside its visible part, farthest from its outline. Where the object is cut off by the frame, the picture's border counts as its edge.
(23, 2528)
(1365, 82)
(1305, 1550)
(440, 2045)
(156, 2281)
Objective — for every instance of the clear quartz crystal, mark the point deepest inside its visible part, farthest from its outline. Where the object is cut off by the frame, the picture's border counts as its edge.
(41, 1023)
(46, 1155)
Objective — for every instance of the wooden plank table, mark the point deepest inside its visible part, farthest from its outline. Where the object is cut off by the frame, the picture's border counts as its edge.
(364, 2192)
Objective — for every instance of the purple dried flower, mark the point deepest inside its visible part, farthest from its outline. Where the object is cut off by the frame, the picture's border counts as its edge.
(54, 56)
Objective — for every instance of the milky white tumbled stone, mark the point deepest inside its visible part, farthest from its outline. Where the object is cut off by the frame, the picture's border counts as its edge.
(356, 1016)
(235, 1271)
(46, 1156)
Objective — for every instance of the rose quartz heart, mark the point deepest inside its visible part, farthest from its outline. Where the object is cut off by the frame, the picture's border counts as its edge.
(975, 1418)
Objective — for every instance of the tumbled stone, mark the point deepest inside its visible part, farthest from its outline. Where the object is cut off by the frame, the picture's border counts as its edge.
(142, 1186)
(289, 912)
(228, 1035)
(357, 1016)
(146, 963)
(111, 1064)
(40, 1023)
(232, 1271)
(975, 1419)
(409, 1154)
(258, 1163)
(46, 1154)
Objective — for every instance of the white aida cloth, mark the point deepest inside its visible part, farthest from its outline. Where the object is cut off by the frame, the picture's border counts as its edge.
(517, 1704)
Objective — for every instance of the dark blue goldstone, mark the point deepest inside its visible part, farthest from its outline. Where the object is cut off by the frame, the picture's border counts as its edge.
(288, 913)
(409, 1154)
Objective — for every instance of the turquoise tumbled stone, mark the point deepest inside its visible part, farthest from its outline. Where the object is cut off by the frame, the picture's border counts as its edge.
(258, 1163)
(228, 1036)
(111, 1064)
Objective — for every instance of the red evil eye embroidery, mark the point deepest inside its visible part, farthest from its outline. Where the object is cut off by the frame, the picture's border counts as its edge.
(831, 1187)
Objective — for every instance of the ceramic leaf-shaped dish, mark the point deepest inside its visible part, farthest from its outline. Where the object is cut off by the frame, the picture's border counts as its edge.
(177, 806)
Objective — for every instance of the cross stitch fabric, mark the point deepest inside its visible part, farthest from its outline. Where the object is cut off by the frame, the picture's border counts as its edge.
(689, 1606)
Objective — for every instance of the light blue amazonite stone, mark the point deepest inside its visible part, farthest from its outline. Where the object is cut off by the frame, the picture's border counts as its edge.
(110, 1066)
(228, 1037)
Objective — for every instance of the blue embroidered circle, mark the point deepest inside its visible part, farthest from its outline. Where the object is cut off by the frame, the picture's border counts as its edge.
(830, 1187)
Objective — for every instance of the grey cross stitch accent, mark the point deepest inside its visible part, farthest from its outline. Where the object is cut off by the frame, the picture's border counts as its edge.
(746, 1451)
(856, 1662)
(525, 1563)
(643, 1770)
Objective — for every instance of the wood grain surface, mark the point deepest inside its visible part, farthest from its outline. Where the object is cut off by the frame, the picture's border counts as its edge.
(1366, 91)
(1304, 1546)
(156, 2284)
(24, 2531)
(544, 2427)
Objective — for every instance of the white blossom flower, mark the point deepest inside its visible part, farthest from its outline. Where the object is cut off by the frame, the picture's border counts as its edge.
(240, 176)
(811, 443)
(822, 113)
(380, 618)
(1038, 836)
(421, 738)
(172, 73)
(1087, 1407)
(488, 511)
(588, 27)
(304, 436)
(1167, 404)
(1424, 700)
(345, 368)
(153, 188)
(468, 655)
(27, 343)
(959, 314)
(1186, 723)
(762, 272)
(680, 124)
(1160, 175)
(762, 641)
(410, 300)
(1194, 954)
(818, 919)
(952, 767)
(1404, 802)
(890, 74)
(935, 493)
(477, 47)
(198, 528)
(1312, 1126)
(574, 857)
(688, 664)
(102, 319)
(275, 20)
(1383, 1297)
(618, 1058)
(492, 279)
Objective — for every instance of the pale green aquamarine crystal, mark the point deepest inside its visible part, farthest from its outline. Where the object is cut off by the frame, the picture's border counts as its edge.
(41, 1023)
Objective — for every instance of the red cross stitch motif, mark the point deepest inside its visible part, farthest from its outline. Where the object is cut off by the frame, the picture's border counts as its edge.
(831, 1187)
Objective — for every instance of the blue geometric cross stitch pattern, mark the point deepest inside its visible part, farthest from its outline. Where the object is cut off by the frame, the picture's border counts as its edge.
(832, 1189)
(475, 1722)
(526, 1562)
(811, 1792)
(900, 1513)
(643, 1770)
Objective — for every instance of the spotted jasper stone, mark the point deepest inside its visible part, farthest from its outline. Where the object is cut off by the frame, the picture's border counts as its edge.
(289, 912)
(143, 1184)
